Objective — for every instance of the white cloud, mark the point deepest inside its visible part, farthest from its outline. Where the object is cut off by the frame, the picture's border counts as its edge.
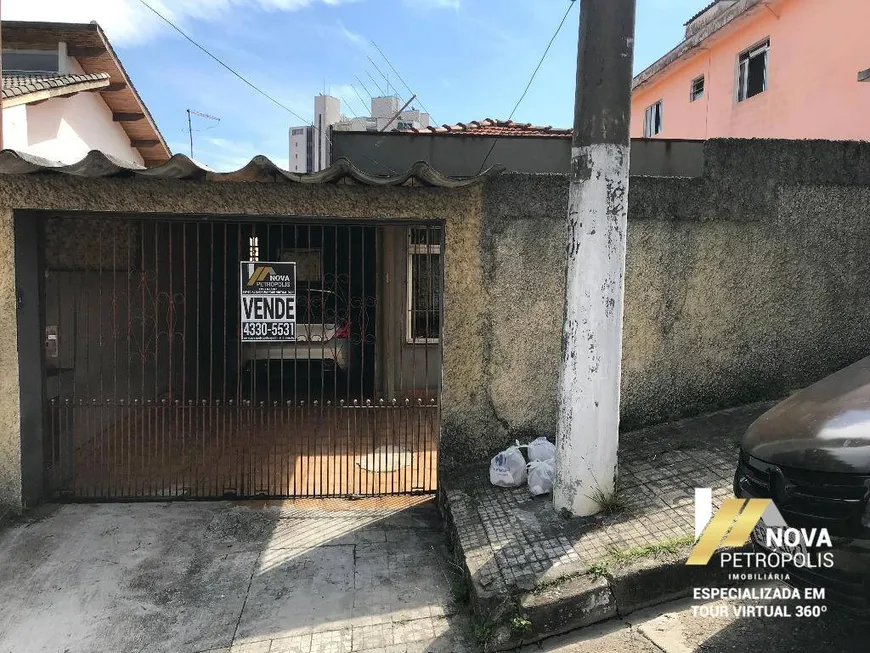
(129, 22)
(434, 4)
(353, 37)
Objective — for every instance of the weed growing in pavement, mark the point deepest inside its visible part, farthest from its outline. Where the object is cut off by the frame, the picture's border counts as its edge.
(519, 624)
(608, 503)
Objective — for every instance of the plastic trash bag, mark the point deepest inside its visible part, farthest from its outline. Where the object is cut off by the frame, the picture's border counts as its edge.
(540, 473)
(508, 469)
(541, 449)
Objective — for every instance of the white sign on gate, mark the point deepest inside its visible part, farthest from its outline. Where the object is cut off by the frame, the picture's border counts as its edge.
(268, 301)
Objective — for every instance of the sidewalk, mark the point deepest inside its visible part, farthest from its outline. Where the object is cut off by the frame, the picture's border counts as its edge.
(533, 573)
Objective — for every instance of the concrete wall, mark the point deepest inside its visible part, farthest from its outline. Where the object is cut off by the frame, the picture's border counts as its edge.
(742, 285)
(462, 156)
(816, 52)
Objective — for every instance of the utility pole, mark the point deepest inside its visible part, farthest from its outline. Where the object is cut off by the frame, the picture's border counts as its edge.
(1, 85)
(588, 428)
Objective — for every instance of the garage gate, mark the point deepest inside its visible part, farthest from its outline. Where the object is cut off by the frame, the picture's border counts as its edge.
(157, 388)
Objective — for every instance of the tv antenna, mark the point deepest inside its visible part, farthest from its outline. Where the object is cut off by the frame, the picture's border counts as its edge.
(193, 112)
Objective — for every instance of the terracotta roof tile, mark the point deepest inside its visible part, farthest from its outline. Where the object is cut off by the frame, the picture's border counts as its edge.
(490, 127)
(16, 84)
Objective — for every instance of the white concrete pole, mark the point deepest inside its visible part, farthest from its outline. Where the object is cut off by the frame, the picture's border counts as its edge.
(588, 428)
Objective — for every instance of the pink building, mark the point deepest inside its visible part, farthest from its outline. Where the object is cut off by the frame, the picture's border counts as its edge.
(762, 69)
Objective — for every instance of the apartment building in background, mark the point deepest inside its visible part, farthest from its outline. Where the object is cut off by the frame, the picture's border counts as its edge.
(761, 69)
(311, 145)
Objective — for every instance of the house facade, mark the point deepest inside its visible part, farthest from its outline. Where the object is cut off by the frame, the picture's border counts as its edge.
(761, 69)
(66, 93)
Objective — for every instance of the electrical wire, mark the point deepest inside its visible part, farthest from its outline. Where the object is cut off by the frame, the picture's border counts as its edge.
(571, 4)
(248, 82)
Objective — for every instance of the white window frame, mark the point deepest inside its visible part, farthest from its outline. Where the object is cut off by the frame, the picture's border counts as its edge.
(692, 96)
(762, 48)
(417, 248)
(649, 120)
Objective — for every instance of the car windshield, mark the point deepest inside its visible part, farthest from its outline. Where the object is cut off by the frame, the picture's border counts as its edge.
(315, 306)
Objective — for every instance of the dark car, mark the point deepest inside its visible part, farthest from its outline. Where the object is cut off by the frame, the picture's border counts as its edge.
(810, 454)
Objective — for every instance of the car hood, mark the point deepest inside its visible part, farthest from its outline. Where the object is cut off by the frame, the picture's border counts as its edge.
(825, 427)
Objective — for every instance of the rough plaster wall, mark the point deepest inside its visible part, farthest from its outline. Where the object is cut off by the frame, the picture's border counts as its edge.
(743, 285)
(10, 449)
(460, 209)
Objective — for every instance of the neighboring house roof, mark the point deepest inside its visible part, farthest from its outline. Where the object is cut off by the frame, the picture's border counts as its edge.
(725, 19)
(28, 87)
(490, 127)
(87, 43)
(702, 12)
(260, 169)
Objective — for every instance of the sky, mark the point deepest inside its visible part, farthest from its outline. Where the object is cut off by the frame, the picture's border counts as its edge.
(465, 59)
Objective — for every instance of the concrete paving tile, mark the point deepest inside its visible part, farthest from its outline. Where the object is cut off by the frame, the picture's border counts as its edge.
(296, 592)
(294, 644)
(263, 646)
(372, 637)
(333, 641)
(417, 630)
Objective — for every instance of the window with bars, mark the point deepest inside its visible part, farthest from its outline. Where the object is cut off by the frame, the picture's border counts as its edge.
(697, 91)
(752, 71)
(652, 123)
(424, 285)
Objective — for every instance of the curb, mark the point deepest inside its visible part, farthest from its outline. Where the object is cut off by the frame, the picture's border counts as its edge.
(573, 602)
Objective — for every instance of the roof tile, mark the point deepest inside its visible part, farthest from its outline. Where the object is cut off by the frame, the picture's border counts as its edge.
(490, 127)
(17, 83)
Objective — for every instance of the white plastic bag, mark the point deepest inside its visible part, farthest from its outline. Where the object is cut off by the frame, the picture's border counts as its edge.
(508, 469)
(541, 476)
(541, 449)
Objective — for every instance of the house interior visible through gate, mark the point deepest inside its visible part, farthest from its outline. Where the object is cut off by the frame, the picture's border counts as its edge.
(151, 392)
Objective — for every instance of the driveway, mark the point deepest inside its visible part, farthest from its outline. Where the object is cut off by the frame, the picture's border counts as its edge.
(314, 576)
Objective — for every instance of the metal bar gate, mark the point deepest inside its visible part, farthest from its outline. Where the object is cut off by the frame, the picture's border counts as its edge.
(172, 372)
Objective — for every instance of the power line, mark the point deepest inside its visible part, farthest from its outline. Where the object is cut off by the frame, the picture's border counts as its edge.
(356, 77)
(374, 81)
(571, 4)
(401, 79)
(363, 102)
(219, 61)
(371, 61)
(248, 82)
